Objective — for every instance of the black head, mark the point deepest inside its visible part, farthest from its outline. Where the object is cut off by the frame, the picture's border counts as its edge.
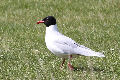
(50, 20)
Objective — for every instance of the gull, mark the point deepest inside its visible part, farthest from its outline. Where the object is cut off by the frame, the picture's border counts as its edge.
(63, 46)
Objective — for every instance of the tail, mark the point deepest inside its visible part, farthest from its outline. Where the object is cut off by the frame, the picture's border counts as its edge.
(98, 54)
(87, 52)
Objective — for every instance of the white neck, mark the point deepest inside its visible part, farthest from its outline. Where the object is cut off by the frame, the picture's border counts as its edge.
(52, 28)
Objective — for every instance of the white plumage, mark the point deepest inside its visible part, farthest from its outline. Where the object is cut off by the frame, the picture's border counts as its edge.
(63, 46)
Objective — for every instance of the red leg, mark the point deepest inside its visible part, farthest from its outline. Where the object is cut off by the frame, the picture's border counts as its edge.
(69, 65)
(63, 62)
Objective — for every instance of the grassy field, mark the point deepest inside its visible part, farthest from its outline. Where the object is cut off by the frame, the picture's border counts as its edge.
(93, 23)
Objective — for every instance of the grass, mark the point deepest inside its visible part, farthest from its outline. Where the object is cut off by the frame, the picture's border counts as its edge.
(93, 23)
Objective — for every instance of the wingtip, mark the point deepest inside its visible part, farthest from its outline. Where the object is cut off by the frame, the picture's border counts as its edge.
(101, 55)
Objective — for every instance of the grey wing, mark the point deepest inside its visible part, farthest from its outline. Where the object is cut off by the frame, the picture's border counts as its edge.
(67, 45)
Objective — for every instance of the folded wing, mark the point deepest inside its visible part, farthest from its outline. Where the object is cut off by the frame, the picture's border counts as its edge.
(69, 46)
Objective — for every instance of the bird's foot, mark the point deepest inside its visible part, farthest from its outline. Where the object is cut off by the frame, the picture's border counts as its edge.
(61, 67)
(70, 67)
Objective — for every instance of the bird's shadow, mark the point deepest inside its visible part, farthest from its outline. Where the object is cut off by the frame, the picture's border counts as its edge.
(86, 68)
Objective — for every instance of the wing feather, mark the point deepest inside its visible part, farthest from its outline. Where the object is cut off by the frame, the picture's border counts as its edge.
(69, 46)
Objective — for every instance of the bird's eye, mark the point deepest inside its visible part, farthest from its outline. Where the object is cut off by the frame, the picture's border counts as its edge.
(46, 19)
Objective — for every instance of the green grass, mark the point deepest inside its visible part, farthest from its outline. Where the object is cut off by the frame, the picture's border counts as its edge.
(93, 23)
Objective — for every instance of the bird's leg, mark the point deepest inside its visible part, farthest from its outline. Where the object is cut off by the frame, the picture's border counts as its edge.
(63, 62)
(69, 63)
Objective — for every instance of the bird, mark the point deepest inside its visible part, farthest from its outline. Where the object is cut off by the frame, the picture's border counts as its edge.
(63, 46)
